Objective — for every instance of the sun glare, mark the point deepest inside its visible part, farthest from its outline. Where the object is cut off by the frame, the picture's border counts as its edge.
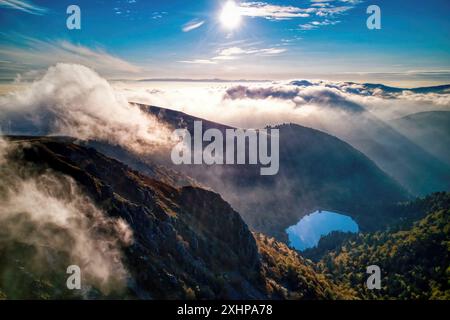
(230, 17)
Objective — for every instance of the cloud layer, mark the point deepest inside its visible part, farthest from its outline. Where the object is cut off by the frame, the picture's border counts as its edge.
(75, 101)
(236, 53)
(303, 102)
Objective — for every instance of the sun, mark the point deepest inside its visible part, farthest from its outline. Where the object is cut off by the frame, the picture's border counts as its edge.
(230, 17)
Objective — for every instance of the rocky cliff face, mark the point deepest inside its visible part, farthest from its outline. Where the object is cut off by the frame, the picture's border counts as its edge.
(188, 242)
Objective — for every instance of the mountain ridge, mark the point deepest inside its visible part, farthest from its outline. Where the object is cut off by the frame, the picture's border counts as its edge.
(305, 154)
(188, 242)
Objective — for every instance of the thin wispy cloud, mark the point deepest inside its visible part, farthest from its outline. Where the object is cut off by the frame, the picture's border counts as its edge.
(158, 15)
(271, 51)
(325, 3)
(316, 24)
(332, 11)
(192, 25)
(321, 2)
(232, 51)
(328, 10)
(236, 52)
(40, 54)
(352, 1)
(198, 61)
(272, 12)
(321, 8)
(24, 6)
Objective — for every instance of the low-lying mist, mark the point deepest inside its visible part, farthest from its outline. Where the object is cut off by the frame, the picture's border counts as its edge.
(47, 224)
(255, 105)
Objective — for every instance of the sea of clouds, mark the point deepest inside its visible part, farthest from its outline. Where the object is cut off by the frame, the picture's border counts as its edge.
(363, 115)
(74, 100)
(303, 102)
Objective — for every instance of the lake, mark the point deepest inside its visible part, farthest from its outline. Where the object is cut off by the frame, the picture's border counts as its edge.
(308, 231)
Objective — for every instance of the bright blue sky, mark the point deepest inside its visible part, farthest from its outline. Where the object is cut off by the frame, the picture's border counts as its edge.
(275, 39)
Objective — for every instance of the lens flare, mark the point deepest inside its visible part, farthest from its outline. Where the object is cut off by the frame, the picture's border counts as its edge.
(230, 17)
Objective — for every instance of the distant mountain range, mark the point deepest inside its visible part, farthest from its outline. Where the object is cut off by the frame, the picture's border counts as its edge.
(420, 166)
(397, 153)
(369, 88)
(433, 89)
(198, 80)
(316, 171)
(325, 173)
(429, 130)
